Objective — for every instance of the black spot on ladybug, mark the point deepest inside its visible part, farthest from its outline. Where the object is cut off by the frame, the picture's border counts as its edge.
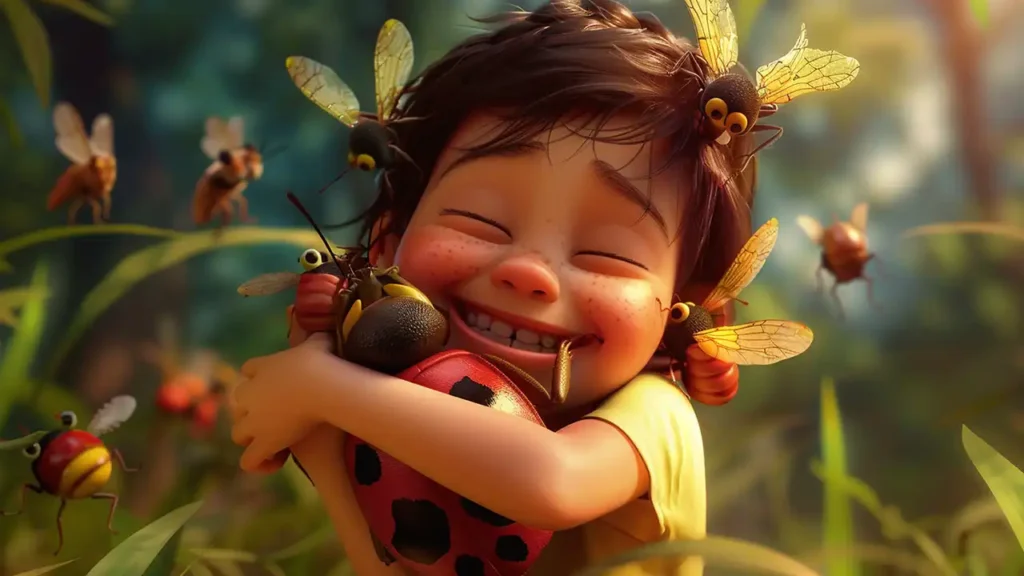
(367, 465)
(382, 553)
(511, 549)
(422, 533)
(483, 514)
(467, 565)
(468, 389)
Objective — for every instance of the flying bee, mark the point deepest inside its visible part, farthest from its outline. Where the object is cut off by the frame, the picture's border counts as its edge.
(754, 343)
(372, 143)
(235, 164)
(73, 464)
(730, 103)
(91, 177)
(844, 250)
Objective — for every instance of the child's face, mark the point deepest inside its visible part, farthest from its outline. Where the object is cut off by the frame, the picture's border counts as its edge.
(545, 241)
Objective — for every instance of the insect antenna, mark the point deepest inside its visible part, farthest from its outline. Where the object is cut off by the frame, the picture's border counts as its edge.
(335, 181)
(269, 152)
(294, 200)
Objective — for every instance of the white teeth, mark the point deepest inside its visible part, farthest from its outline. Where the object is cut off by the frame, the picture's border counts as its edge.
(501, 329)
(496, 338)
(547, 341)
(483, 321)
(528, 347)
(526, 336)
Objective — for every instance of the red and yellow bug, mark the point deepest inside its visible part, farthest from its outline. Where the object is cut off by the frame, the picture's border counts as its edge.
(75, 464)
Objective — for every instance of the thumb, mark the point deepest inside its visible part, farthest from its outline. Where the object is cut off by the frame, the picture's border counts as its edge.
(321, 341)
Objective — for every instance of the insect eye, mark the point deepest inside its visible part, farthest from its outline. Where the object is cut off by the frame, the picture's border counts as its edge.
(68, 419)
(737, 122)
(365, 162)
(716, 109)
(351, 159)
(224, 157)
(679, 313)
(311, 259)
(32, 452)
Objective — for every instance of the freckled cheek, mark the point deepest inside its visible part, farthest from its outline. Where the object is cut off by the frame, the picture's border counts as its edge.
(626, 313)
(434, 258)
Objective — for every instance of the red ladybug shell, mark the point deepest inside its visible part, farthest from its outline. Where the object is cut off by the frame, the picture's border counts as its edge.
(429, 529)
(59, 449)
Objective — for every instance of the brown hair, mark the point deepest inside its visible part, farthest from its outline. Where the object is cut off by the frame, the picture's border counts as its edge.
(586, 60)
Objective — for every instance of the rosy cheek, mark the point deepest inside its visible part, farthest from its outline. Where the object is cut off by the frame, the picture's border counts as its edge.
(434, 258)
(625, 312)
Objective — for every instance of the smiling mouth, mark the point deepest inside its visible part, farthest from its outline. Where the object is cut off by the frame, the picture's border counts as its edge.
(506, 332)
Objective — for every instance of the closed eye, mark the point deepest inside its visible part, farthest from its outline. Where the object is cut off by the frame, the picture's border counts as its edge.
(614, 257)
(478, 218)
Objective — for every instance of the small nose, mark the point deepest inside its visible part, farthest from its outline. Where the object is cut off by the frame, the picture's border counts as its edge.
(528, 276)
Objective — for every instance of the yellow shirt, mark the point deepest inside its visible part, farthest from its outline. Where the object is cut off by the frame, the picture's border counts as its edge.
(660, 422)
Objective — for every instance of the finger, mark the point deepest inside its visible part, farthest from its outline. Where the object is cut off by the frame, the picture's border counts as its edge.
(707, 368)
(255, 455)
(321, 341)
(241, 434)
(273, 464)
(695, 354)
(251, 366)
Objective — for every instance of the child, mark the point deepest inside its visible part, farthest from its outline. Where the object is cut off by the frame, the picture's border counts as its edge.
(553, 195)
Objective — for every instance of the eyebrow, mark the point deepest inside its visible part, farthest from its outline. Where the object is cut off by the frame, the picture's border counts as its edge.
(605, 171)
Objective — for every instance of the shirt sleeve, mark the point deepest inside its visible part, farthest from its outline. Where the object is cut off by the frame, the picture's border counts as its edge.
(657, 417)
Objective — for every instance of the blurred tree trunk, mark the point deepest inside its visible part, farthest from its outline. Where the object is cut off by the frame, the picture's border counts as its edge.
(964, 46)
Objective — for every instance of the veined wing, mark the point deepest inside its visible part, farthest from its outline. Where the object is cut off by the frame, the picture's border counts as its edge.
(267, 284)
(803, 70)
(745, 267)
(102, 138)
(236, 132)
(716, 33)
(112, 415)
(811, 227)
(71, 139)
(324, 88)
(859, 217)
(392, 64)
(756, 343)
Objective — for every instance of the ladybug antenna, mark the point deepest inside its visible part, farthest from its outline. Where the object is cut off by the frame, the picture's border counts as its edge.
(661, 305)
(294, 200)
(335, 181)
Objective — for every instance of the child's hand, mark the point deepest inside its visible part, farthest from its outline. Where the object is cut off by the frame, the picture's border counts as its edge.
(274, 406)
(708, 380)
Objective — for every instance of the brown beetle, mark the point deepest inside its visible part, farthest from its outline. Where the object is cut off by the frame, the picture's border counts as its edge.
(844, 249)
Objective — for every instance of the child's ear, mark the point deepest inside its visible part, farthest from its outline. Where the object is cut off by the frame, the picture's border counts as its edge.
(382, 253)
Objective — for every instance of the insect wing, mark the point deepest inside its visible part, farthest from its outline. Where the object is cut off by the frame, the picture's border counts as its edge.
(216, 139)
(324, 88)
(811, 227)
(859, 217)
(392, 64)
(267, 284)
(756, 343)
(716, 33)
(102, 139)
(112, 415)
(236, 133)
(803, 70)
(71, 139)
(745, 267)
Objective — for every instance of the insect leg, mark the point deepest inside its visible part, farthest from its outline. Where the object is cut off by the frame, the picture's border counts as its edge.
(225, 211)
(871, 292)
(97, 211)
(243, 209)
(120, 460)
(76, 205)
(21, 504)
(839, 303)
(106, 207)
(767, 110)
(113, 507)
(563, 373)
(405, 157)
(60, 526)
(771, 139)
(820, 278)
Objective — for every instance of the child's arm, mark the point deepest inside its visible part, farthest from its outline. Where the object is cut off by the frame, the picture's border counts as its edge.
(318, 453)
(512, 466)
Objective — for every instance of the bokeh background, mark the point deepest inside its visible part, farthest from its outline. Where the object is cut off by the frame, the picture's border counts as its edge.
(931, 131)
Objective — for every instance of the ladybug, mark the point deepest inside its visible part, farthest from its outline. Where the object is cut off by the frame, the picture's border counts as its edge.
(424, 526)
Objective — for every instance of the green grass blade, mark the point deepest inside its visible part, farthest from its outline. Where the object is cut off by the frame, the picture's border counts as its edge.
(45, 569)
(1005, 480)
(1003, 229)
(10, 121)
(7, 247)
(20, 443)
(716, 550)
(144, 263)
(83, 9)
(34, 45)
(133, 556)
(14, 298)
(838, 514)
(23, 346)
(979, 8)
